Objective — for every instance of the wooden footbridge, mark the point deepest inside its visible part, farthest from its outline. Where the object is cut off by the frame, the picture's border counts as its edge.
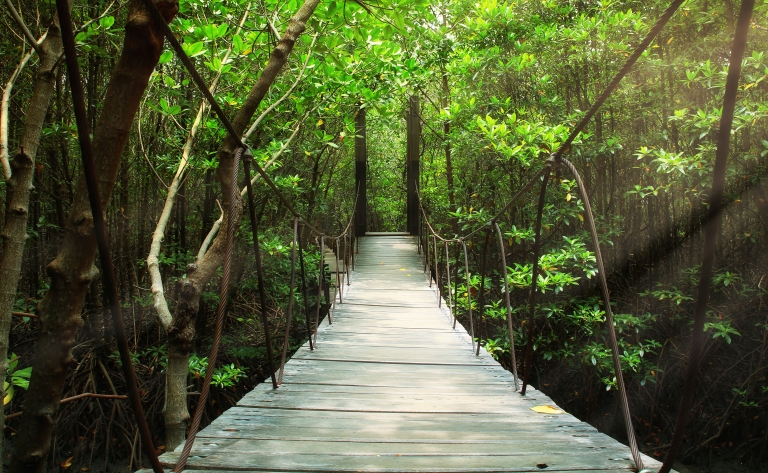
(392, 387)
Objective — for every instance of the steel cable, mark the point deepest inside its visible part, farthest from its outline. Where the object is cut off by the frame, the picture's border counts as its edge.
(510, 327)
(437, 273)
(534, 278)
(289, 314)
(612, 338)
(304, 291)
(259, 267)
(481, 297)
(448, 277)
(469, 295)
(711, 231)
(100, 228)
(203, 399)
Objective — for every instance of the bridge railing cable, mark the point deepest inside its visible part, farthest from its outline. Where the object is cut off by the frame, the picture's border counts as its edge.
(557, 159)
(110, 286)
(100, 227)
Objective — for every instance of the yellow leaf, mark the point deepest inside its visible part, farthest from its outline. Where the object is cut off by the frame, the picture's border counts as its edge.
(581, 217)
(568, 197)
(670, 39)
(547, 410)
(8, 394)
(67, 463)
(307, 153)
(320, 122)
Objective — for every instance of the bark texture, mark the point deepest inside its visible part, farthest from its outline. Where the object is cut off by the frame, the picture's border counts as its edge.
(19, 187)
(72, 271)
(181, 334)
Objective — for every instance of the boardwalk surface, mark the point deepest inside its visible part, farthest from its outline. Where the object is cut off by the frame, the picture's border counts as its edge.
(392, 387)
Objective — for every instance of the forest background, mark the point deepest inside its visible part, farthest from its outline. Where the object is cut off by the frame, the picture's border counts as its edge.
(500, 85)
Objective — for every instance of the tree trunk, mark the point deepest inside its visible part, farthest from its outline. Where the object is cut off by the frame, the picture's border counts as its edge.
(19, 188)
(72, 271)
(181, 334)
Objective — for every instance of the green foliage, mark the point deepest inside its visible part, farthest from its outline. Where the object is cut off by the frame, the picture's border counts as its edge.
(15, 378)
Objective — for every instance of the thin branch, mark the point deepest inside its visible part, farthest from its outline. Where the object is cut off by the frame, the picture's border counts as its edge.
(285, 96)
(4, 111)
(25, 314)
(75, 398)
(23, 26)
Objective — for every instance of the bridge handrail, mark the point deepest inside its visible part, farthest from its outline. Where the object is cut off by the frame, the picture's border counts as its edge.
(557, 158)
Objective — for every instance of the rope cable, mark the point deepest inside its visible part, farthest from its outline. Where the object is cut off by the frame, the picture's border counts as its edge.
(534, 279)
(711, 231)
(205, 390)
(289, 314)
(100, 228)
(510, 326)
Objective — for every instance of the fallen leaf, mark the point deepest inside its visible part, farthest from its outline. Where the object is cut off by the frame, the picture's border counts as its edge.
(547, 410)
(67, 463)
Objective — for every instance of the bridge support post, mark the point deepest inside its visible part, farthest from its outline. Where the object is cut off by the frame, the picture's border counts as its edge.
(412, 165)
(361, 164)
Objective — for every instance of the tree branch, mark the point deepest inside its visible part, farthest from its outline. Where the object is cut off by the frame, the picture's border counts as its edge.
(23, 27)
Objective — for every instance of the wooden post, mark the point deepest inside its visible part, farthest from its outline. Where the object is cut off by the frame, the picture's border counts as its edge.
(412, 163)
(361, 163)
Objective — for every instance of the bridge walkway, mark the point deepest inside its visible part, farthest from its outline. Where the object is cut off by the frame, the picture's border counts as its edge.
(392, 387)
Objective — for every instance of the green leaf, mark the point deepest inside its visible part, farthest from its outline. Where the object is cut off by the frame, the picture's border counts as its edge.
(237, 43)
(194, 49)
(107, 22)
(165, 57)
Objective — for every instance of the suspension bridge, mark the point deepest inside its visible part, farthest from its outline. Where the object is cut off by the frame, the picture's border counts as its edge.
(389, 382)
(391, 386)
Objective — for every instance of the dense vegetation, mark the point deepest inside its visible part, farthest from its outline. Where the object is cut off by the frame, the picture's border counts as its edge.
(501, 83)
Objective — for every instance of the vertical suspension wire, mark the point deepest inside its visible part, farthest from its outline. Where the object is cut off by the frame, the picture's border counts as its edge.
(205, 390)
(481, 296)
(711, 231)
(469, 294)
(456, 289)
(448, 276)
(510, 328)
(427, 268)
(320, 278)
(259, 266)
(437, 273)
(339, 278)
(534, 279)
(612, 338)
(289, 314)
(305, 289)
(347, 239)
(100, 229)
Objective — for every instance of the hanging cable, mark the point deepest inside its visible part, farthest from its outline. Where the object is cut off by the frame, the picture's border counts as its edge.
(510, 328)
(481, 297)
(534, 278)
(205, 390)
(711, 231)
(469, 295)
(289, 313)
(612, 338)
(248, 159)
(109, 281)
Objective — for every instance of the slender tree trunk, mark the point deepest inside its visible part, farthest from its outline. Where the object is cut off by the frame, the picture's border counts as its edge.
(448, 160)
(181, 334)
(19, 188)
(72, 271)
